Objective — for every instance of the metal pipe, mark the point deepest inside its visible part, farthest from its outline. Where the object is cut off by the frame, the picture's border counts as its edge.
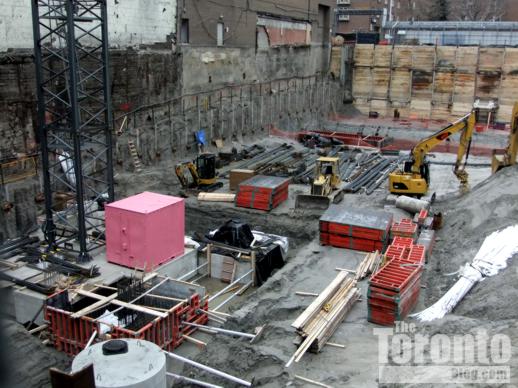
(194, 271)
(232, 296)
(221, 292)
(222, 331)
(209, 369)
(94, 334)
(192, 381)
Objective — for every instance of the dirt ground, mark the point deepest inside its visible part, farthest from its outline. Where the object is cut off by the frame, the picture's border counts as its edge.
(492, 204)
(491, 305)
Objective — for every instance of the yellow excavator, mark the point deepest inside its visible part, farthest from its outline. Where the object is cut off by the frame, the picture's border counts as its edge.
(203, 173)
(509, 158)
(414, 179)
(325, 187)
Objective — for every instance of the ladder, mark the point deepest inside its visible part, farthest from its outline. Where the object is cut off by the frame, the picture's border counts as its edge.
(134, 156)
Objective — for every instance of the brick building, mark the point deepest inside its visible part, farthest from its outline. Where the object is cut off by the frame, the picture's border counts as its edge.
(240, 23)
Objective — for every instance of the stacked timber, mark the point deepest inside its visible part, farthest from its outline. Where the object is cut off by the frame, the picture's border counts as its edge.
(359, 229)
(262, 192)
(322, 317)
(369, 265)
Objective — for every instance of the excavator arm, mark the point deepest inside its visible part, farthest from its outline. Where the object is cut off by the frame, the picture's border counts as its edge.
(509, 158)
(414, 180)
(181, 170)
(466, 125)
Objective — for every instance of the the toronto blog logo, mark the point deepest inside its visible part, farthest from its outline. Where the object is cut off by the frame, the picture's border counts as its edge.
(408, 357)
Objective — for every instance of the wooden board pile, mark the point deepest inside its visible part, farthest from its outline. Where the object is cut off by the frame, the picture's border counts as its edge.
(262, 192)
(322, 317)
(368, 265)
(359, 229)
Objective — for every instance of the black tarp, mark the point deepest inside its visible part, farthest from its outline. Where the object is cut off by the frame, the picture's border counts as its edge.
(238, 234)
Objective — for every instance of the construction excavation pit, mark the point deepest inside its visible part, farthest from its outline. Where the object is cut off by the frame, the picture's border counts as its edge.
(262, 194)
(265, 291)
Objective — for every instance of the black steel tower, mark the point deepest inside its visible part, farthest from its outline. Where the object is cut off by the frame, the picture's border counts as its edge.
(74, 120)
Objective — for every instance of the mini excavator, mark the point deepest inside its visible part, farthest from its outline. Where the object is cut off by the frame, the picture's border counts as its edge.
(203, 173)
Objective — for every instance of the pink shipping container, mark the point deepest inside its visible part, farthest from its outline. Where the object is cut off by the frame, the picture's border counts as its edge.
(145, 230)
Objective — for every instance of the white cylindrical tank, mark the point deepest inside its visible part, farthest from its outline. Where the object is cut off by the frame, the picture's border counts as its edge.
(125, 363)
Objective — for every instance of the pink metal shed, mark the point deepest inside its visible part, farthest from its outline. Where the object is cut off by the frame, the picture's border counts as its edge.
(145, 230)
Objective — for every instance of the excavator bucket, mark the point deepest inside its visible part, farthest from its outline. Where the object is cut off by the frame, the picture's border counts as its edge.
(318, 202)
(312, 202)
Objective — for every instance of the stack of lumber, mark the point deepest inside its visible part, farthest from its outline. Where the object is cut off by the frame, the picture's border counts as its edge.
(262, 192)
(394, 291)
(404, 228)
(322, 317)
(353, 228)
(369, 264)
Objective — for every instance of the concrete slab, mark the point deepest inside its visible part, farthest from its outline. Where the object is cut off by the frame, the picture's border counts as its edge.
(27, 305)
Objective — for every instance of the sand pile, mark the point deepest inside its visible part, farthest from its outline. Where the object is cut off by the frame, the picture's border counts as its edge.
(491, 206)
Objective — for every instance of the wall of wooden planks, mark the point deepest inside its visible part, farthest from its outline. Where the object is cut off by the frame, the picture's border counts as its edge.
(433, 82)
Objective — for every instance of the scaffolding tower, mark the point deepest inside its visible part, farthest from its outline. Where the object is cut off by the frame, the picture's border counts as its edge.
(74, 121)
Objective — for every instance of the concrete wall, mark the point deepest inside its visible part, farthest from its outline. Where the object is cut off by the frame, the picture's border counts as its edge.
(130, 22)
(213, 67)
(430, 82)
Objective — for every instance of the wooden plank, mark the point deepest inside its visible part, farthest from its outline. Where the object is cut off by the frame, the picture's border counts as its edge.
(120, 303)
(95, 306)
(318, 303)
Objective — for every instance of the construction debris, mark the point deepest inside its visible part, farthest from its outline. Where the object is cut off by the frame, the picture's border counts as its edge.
(320, 320)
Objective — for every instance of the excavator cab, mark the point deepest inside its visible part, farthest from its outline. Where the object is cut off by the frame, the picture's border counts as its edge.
(206, 169)
(203, 173)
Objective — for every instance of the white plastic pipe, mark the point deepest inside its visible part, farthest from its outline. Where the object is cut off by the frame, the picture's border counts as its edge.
(222, 331)
(193, 381)
(209, 369)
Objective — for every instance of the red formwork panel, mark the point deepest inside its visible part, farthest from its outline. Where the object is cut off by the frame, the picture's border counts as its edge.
(403, 241)
(71, 335)
(262, 192)
(404, 228)
(387, 315)
(417, 254)
(346, 242)
(395, 252)
(395, 275)
(366, 224)
(385, 306)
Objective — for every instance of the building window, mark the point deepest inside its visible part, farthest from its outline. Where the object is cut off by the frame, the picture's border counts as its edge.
(184, 31)
(220, 34)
